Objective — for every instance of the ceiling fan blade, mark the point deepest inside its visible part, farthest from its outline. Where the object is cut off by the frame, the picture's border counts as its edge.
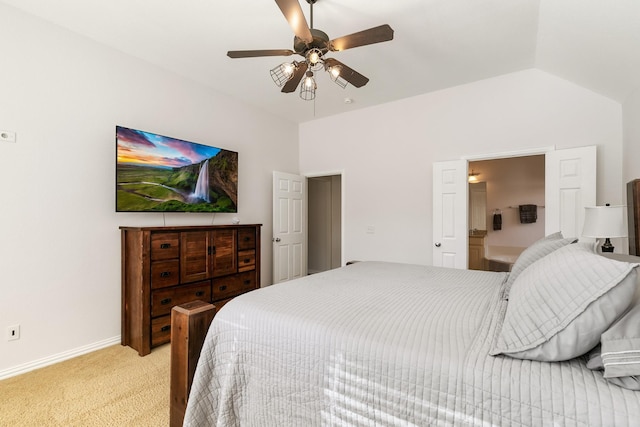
(348, 74)
(299, 72)
(255, 53)
(379, 34)
(293, 13)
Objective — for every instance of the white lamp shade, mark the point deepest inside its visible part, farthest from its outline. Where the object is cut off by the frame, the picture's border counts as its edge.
(605, 221)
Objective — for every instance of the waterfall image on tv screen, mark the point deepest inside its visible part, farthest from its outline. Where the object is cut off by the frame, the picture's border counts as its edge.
(156, 173)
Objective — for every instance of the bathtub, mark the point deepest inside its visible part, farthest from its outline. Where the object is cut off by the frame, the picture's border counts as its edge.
(501, 258)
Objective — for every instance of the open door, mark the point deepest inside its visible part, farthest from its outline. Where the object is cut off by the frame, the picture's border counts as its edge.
(450, 234)
(570, 185)
(289, 227)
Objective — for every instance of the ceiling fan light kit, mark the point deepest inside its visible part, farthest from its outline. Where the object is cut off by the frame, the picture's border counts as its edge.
(282, 73)
(308, 87)
(313, 44)
(334, 74)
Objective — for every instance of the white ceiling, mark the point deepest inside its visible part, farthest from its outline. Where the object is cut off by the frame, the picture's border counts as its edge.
(437, 43)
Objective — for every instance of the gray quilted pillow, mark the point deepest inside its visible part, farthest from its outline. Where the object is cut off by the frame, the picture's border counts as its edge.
(560, 305)
(533, 253)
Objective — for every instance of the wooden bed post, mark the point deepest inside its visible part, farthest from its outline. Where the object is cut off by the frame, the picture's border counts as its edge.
(189, 325)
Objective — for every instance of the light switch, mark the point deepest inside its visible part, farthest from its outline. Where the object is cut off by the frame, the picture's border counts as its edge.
(7, 136)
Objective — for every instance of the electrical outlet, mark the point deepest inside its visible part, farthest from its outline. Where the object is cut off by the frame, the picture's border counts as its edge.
(7, 136)
(13, 333)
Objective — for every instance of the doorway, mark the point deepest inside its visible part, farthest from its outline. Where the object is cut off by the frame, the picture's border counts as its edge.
(494, 217)
(570, 185)
(324, 219)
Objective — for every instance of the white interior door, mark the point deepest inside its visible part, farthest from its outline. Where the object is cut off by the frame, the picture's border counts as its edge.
(570, 185)
(289, 227)
(450, 195)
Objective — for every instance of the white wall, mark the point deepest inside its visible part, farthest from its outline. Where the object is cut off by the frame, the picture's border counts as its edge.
(60, 254)
(387, 151)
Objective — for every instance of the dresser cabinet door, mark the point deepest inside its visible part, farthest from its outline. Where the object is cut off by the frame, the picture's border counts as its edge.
(224, 252)
(195, 256)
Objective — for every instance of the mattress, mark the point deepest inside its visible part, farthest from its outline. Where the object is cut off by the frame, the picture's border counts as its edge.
(386, 344)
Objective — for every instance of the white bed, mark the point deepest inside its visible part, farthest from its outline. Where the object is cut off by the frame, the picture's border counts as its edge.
(389, 344)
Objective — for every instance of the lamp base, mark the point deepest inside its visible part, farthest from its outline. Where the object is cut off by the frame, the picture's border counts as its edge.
(607, 246)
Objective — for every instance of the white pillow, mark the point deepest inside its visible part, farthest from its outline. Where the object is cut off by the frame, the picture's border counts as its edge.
(560, 305)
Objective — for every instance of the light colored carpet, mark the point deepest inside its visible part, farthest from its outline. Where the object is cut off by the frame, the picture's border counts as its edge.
(109, 387)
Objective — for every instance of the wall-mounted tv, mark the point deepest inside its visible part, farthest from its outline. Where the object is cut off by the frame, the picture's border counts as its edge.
(156, 173)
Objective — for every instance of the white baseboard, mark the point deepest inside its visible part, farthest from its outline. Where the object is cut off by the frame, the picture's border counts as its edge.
(56, 358)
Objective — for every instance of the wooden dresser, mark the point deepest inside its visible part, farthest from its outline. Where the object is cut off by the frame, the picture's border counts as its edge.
(167, 266)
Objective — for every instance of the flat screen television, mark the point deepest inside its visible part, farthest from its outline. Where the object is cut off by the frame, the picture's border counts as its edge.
(156, 173)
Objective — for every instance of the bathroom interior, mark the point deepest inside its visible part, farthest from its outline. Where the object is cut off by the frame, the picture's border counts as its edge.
(506, 210)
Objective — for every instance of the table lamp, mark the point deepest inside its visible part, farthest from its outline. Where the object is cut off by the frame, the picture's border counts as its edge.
(605, 222)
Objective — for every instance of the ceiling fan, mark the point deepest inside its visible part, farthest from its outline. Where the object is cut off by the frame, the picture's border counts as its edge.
(313, 44)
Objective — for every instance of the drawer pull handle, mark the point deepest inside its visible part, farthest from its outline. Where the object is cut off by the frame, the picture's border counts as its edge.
(165, 301)
(165, 328)
(223, 288)
(199, 293)
(247, 282)
(165, 245)
(165, 274)
(247, 260)
(246, 239)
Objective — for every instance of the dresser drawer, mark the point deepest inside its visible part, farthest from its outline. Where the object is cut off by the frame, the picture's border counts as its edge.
(246, 238)
(230, 286)
(246, 260)
(162, 301)
(225, 287)
(165, 273)
(165, 246)
(160, 330)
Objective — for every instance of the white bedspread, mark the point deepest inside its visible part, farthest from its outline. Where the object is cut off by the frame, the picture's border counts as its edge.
(382, 344)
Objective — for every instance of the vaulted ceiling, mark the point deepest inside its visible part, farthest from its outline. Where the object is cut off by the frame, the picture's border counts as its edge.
(437, 43)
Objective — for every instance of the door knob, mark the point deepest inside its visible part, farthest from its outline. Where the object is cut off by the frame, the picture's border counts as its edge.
(438, 245)
(276, 239)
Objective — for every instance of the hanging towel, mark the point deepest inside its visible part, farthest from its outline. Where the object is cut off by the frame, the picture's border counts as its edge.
(528, 214)
(497, 221)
